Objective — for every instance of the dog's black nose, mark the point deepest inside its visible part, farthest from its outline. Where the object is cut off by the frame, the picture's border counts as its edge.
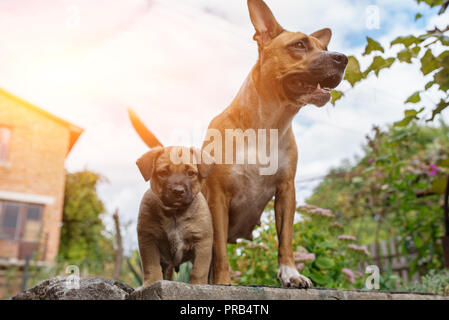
(339, 58)
(178, 191)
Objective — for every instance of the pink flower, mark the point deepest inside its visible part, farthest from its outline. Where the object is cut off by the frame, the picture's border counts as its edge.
(433, 171)
(357, 248)
(237, 273)
(346, 237)
(349, 274)
(337, 225)
(379, 174)
(370, 160)
(299, 256)
(315, 211)
(300, 266)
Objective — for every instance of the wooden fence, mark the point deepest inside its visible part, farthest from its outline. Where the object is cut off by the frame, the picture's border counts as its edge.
(390, 256)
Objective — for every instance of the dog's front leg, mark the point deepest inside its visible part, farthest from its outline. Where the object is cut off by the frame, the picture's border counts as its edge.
(220, 219)
(151, 262)
(285, 206)
(201, 262)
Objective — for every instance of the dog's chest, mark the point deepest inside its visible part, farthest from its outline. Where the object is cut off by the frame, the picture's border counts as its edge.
(252, 193)
(179, 240)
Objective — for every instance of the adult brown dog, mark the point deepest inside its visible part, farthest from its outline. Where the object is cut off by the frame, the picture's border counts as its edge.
(293, 69)
(174, 223)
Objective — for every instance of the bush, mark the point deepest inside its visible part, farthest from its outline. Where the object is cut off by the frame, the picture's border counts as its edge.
(323, 253)
(436, 281)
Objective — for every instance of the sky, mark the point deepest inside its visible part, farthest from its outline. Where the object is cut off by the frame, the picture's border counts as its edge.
(178, 63)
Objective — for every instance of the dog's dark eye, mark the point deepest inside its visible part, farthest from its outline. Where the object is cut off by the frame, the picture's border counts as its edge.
(162, 174)
(300, 45)
(191, 173)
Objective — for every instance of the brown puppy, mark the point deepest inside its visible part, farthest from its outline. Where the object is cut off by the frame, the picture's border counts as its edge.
(174, 223)
(293, 69)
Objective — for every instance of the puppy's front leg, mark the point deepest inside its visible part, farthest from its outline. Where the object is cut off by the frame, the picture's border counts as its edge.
(151, 262)
(201, 262)
(285, 207)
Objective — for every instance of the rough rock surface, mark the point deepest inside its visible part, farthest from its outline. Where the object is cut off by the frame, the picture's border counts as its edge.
(105, 289)
(61, 288)
(168, 290)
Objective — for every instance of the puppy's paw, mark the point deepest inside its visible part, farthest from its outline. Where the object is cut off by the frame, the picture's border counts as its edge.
(291, 278)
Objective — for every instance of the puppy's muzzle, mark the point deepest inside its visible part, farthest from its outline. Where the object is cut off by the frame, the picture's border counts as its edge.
(178, 191)
(177, 195)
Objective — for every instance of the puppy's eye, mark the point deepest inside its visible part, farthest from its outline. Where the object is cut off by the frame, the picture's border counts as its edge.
(191, 173)
(300, 45)
(162, 174)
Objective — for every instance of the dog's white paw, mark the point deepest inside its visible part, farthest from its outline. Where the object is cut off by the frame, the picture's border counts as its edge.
(290, 277)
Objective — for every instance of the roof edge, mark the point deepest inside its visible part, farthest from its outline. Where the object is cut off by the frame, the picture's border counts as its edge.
(75, 131)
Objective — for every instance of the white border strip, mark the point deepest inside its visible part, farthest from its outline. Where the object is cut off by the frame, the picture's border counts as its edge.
(28, 198)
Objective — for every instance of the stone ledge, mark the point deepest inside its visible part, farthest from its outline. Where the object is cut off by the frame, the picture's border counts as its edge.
(168, 290)
(107, 289)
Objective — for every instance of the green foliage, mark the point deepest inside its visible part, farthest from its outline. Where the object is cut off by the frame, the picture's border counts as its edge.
(353, 73)
(436, 282)
(84, 239)
(416, 49)
(320, 255)
(372, 45)
(395, 189)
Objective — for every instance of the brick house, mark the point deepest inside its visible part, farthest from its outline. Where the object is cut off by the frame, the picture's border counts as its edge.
(33, 147)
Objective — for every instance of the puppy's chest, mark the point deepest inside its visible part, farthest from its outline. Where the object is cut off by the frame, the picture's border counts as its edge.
(179, 239)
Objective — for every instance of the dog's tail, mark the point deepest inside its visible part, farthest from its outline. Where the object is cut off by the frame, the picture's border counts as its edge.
(146, 135)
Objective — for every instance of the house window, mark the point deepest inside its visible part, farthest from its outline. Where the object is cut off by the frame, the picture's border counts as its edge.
(5, 137)
(20, 221)
(10, 220)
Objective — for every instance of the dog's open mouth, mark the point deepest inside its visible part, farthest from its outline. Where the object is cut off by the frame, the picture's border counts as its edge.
(313, 89)
(298, 86)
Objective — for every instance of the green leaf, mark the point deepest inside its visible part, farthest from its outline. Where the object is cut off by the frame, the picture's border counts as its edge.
(378, 64)
(336, 95)
(440, 107)
(414, 98)
(353, 73)
(407, 41)
(429, 85)
(444, 163)
(418, 242)
(429, 63)
(372, 45)
(319, 278)
(418, 16)
(439, 185)
(382, 160)
(442, 79)
(405, 56)
(409, 116)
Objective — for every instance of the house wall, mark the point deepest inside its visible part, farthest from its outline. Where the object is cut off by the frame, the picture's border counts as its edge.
(38, 149)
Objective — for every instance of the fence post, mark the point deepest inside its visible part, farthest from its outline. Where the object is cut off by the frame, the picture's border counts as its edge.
(25, 272)
(445, 238)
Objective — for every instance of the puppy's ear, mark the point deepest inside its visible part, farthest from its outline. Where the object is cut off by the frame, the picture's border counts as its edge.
(267, 28)
(204, 162)
(146, 162)
(324, 35)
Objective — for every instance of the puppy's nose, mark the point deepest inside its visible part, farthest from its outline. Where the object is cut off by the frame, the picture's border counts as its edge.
(340, 59)
(178, 190)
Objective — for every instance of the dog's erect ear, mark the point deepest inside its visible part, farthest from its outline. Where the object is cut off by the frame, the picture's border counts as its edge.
(324, 35)
(267, 28)
(146, 162)
(205, 162)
